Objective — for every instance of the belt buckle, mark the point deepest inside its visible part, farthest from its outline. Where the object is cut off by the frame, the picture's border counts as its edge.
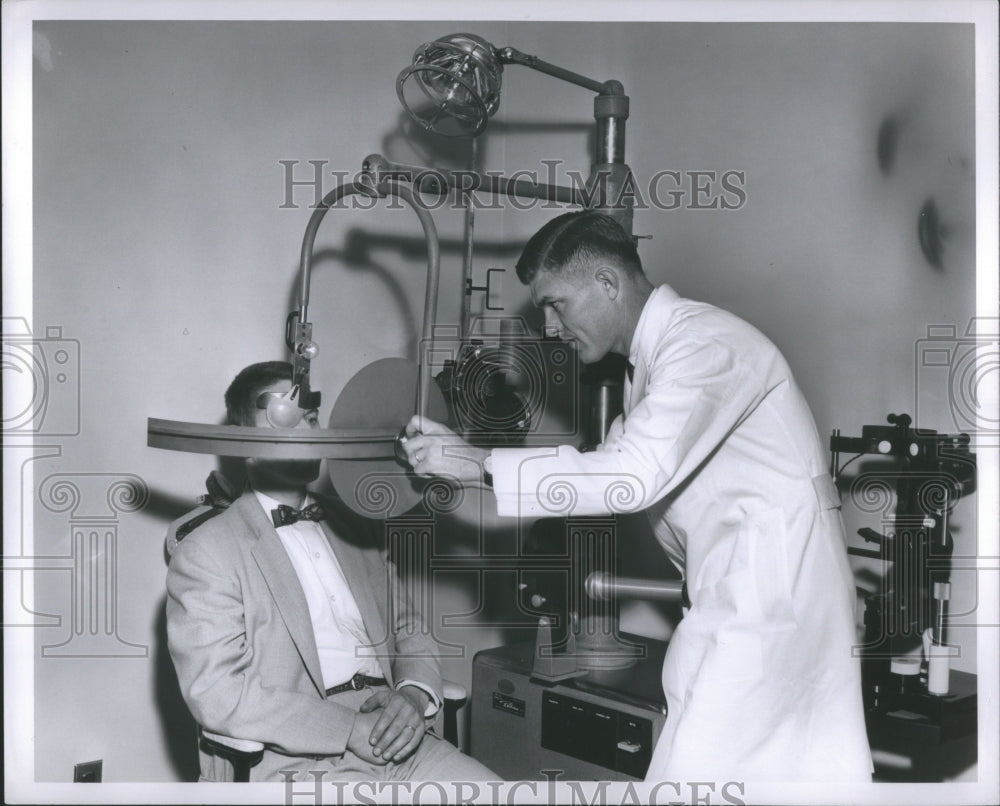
(357, 682)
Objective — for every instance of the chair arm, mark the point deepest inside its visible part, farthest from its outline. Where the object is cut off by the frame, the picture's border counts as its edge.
(237, 745)
(242, 754)
(455, 694)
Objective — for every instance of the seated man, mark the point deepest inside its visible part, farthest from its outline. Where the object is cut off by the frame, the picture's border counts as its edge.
(284, 629)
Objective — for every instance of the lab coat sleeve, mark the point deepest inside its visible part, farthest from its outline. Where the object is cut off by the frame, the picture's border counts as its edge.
(216, 668)
(696, 393)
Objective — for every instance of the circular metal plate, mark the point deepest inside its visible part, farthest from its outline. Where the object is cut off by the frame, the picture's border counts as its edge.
(380, 397)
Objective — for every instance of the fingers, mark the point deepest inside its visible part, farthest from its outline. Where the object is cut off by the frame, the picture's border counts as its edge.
(424, 425)
(395, 714)
(431, 448)
(398, 730)
(416, 450)
(422, 450)
(413, 426)
(408, 741)
(376, 700)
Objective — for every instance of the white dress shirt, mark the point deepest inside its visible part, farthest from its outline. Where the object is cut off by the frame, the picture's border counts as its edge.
(339, 630)
(337, 625)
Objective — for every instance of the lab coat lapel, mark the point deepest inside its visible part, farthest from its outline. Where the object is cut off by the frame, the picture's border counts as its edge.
(635, 387)
(283, 583)
(356, 573)
(630, 390)
(655, 315)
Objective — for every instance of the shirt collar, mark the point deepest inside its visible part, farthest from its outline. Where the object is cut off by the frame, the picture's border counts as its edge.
(661, 295)
(268, 503)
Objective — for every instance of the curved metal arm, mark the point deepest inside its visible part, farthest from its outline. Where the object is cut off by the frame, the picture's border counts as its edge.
(228, 440)
(379, 190)
(308, 240)
(434, 180)
(430, 289)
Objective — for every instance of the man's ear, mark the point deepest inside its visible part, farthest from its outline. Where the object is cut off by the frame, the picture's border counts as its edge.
(610, 281)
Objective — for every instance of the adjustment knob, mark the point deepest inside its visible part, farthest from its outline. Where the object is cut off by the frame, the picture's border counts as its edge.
(308, 350)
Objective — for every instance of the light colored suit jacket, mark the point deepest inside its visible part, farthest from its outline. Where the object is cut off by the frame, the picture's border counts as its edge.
(242, 643)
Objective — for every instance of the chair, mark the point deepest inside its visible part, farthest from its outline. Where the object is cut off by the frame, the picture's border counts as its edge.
(244, 754)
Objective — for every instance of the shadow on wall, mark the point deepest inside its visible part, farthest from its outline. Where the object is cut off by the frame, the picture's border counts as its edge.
(357, 256)
(179, 728)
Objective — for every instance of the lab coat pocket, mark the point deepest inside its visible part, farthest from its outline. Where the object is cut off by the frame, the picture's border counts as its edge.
(723, 629)
(767, 551)
(736, 657)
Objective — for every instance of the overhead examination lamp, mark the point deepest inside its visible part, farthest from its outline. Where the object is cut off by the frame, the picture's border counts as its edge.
(452, 87)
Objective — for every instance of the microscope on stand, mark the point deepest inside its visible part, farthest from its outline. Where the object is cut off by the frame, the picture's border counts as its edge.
(911, 695)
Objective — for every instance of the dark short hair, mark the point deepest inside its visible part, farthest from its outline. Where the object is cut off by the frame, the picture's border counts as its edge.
(242, 394)
(574, 237)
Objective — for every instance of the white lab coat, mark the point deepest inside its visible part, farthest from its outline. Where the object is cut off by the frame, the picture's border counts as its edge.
(718, 445)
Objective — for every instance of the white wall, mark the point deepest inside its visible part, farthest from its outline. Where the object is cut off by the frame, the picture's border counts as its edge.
(160, 244)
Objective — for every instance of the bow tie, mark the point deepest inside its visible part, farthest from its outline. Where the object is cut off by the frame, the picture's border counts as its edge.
(283, 515)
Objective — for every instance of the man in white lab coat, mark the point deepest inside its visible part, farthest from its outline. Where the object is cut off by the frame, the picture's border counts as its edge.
(718, 446)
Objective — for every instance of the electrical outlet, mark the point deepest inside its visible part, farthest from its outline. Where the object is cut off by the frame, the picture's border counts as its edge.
(88, 772)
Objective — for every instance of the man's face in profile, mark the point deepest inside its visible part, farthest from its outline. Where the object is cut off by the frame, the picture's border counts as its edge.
(286, 472)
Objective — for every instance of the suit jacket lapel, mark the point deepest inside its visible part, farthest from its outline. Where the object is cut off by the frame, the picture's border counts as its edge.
(283, 583)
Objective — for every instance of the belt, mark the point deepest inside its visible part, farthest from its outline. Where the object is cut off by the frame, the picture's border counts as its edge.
(356, 683)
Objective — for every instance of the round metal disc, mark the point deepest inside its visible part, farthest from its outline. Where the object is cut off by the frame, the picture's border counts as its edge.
(381, 396)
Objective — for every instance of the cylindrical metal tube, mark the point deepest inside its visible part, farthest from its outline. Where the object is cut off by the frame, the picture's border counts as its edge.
(606, 406)
(470, 235)
(434, 180)
(942, 593)
(605, 586)
(509, 55)
(610, 141)
(610, 112)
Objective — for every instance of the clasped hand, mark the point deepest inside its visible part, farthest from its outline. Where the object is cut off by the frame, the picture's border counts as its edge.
(433, 449)
(390, 725)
